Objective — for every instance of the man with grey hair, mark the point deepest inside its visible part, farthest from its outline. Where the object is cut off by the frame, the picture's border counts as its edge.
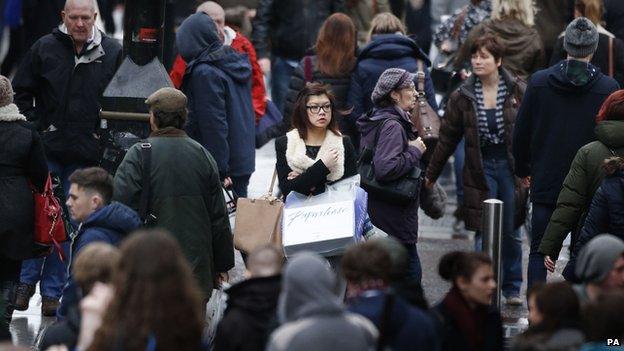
(557, 117)
(57, 87)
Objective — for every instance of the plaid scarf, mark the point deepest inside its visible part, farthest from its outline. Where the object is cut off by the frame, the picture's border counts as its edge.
(485, 135)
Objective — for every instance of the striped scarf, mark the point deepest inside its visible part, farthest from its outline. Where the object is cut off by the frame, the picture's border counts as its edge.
(485, 135)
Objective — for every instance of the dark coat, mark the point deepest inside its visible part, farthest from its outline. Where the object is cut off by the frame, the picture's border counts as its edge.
(580, 184)
(606, 214)
(410, 328)
(22, 162)
(338, 85)
(186, 198)
(614, 17)
(556, 118)
(287, 28)
(393, 158)
(250, 316)
(314, 177)
(460, 121)
(524, 51)
(39, 18)
(383, 52)
(218, 86)
(601, 56)
(55, 87)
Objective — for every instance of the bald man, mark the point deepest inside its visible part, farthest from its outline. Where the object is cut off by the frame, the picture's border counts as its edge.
(57, 87)
(238, 42)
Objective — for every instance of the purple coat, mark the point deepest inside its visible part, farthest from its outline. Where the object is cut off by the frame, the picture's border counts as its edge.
(393, 159)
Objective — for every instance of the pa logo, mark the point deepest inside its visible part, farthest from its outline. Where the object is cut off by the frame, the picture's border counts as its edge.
(613, 342)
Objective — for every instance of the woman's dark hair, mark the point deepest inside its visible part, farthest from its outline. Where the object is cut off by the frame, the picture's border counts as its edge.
(490, 43)
(299, 117)
(559, 306)
(155, 295)
(602, 319)
(612, 108)
(170, 119)
(365, 262)
(458, 264)
(335, 45)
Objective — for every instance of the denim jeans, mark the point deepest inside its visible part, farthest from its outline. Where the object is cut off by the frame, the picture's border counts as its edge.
(539, 220)
(500, 180)
(458, 166)
(50, 270)
(414, 270)
(281, 71)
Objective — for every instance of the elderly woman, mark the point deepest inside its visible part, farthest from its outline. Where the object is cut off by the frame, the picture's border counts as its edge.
(387, 130)
(483, 111)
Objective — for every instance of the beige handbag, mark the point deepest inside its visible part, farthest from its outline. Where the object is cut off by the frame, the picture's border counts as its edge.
(258, 221)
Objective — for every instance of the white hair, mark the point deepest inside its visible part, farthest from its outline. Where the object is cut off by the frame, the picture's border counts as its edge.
(522, 10)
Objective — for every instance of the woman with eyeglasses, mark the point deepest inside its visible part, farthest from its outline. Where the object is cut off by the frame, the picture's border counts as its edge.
(314, 152)
(397, 150)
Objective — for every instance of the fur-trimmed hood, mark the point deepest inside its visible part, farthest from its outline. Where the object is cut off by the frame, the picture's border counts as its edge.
(10, 113)
(299, 162)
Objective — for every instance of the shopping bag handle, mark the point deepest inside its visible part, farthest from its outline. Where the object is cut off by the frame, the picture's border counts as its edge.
(272, 186)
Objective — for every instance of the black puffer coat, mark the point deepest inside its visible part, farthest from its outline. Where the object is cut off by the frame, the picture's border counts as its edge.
(339, 86)
(22, 161)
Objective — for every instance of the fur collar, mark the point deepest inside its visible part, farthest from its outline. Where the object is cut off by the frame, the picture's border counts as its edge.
(10, 113)
(299, 162)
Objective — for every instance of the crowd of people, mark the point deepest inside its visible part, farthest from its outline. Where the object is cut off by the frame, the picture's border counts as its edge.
(530, 110)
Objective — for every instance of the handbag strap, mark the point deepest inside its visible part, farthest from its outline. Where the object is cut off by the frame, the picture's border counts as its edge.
(146, 166)
(272, 186)
(420, 75)
(611, 70)
(307, 69)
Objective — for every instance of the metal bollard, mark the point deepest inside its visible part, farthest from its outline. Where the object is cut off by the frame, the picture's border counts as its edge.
(492, 233)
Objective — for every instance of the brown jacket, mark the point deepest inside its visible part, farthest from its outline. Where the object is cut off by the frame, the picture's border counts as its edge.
(460, 120)
(524, 51)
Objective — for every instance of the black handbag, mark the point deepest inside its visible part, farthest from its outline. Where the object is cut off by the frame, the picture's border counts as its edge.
(402, 191)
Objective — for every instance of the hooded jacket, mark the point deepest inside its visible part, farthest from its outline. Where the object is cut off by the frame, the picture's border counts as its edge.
(393, 158)
(59, 91)
(555, 119)
(217, 84)
(580, 184)
(312, 314)
(250, 316)
(524, 51)
(383, 52)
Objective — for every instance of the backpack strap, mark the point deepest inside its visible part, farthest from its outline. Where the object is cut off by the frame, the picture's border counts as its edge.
(307, 69)
(146, 166)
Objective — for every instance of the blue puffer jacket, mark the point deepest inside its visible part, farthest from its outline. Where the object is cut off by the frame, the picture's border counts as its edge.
(217, 83)
(383, 52)
(109, 224)
(606, 215)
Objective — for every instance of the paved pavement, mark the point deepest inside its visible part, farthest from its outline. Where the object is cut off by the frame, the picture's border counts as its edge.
(436, 238)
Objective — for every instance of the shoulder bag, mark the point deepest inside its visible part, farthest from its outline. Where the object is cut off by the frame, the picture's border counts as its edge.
(49, 226)
(423, 117)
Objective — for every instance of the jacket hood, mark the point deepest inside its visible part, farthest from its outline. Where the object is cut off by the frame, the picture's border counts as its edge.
(308, 289)
(258, 295)
(611, 133)
(392, 46)
(369, 121)
(195, 35)
(116, 217)
(558, 79)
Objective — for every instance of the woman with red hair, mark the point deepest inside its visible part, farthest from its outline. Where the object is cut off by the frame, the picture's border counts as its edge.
(585, 176)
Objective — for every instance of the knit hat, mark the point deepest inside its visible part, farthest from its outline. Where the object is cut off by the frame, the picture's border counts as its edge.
(6, 91)
(391, 79)
(167, 100)
(581, 38)
(597, 258)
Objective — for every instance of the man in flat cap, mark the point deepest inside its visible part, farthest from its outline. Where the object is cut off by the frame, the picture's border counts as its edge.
(184, 194)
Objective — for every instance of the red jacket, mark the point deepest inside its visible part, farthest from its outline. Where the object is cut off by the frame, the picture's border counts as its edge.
(243, 45)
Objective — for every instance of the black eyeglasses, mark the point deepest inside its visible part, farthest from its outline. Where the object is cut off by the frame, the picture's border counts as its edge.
(316, 108)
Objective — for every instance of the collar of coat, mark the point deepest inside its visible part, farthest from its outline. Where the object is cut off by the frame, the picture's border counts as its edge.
(94, 49)
(169, 132)
(467, 88)
(10, 113)
(299, 162)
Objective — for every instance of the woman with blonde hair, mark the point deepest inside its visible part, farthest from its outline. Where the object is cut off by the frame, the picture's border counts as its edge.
(609, 55)
(513, 22)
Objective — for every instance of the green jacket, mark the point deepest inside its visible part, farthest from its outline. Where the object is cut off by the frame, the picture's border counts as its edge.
(580, 184)
(185, 197)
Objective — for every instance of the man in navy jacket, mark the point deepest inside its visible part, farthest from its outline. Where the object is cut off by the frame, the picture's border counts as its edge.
(218, 86)
(556, 118)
